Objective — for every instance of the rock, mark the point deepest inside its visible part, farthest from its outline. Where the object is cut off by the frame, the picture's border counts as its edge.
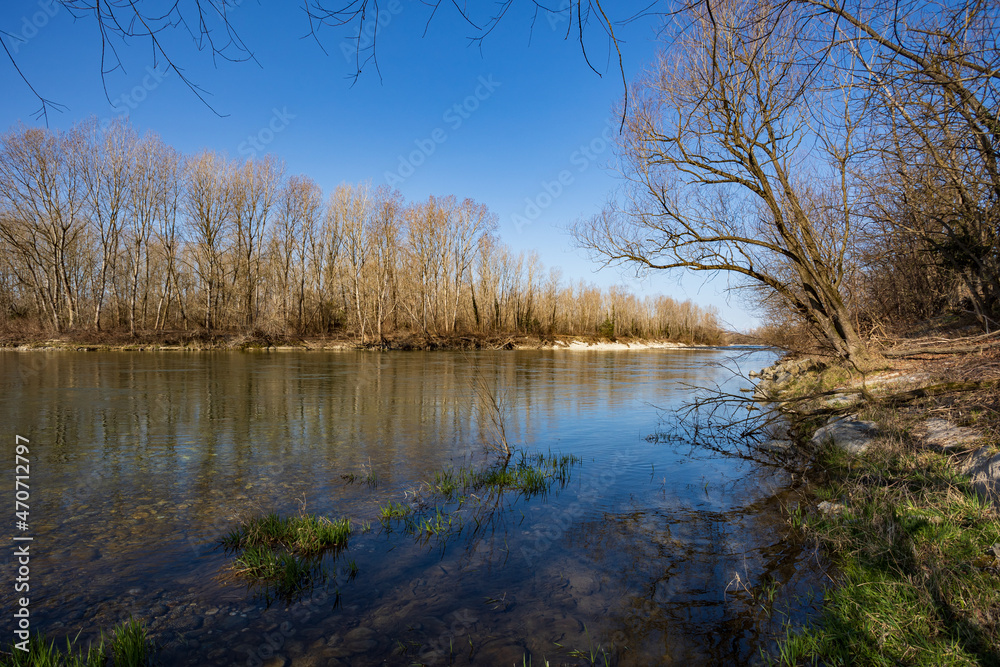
(848, 434)
(827, 508)
(838, 401)
(777, 446)
(983, 470)
(942, 435)
(360, 639)
(186, 623)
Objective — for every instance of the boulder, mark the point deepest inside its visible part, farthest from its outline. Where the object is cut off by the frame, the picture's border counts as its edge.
(841, 401)
(942, 435)
(847, 433)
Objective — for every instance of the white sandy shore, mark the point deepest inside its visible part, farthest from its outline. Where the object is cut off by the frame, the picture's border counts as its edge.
(604, 347)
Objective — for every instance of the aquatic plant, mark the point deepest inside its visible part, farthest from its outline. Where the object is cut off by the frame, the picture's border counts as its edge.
(305, 534)
(437, 524)
(494, 406)
(129, 645)
(285, 553)
(532, 474)
(367, 475)
(393, 511)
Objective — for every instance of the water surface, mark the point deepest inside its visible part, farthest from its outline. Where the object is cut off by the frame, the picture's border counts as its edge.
(654, 553)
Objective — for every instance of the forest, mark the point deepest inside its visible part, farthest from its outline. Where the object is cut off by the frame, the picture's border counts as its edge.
(103, 230)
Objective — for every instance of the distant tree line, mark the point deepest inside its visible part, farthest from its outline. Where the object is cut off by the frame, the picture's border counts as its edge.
(103, 229)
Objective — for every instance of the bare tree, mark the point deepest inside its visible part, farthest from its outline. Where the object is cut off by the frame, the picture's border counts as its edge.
(41, 200)
(934, 71)
(351, 207)
(150, 190)
(209, 208)
(300, 203)
(168, 234)
(254, 187)
(106, 166)
(737, 157)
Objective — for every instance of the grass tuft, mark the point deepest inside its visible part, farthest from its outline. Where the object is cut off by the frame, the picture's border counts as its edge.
(284, 552)
(130, 647)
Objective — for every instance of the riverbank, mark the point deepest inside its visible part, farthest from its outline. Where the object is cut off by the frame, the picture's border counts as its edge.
(904, 470)
(200, 340)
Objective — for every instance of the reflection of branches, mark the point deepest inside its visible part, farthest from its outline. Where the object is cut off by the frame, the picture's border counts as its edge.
(731, 423)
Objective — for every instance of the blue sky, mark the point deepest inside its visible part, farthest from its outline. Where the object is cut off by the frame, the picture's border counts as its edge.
(502, 122)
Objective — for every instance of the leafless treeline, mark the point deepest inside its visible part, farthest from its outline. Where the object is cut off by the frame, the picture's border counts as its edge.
(103, 229)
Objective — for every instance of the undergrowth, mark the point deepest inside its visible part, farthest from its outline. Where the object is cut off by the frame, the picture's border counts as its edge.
(919, 576)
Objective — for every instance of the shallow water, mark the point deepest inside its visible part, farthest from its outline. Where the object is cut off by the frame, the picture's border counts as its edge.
(652, 553)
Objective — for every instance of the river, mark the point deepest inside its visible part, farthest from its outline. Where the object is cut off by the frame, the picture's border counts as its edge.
(653, 552)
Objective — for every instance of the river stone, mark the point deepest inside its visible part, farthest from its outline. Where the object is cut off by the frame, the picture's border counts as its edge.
(847, 434)
(983, 469)
(360, 639)
(186, 623)
(501, 652)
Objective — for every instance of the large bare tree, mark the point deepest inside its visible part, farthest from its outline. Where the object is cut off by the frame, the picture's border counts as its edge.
(737, 154)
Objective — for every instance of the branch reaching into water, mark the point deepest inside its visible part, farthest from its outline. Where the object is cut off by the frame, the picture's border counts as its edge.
(494, 407)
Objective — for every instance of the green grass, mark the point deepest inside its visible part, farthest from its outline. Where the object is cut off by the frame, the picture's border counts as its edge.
(533, 474)
(393, 511)
(439, 523)
(306, 535)
(129, 646)
(530, 475)
(284, 553)
(917, 585)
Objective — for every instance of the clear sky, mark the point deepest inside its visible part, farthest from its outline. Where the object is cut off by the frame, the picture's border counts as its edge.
(498, 122)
